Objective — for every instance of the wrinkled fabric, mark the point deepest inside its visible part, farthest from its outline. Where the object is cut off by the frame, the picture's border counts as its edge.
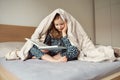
(76, 35)
(101, 53)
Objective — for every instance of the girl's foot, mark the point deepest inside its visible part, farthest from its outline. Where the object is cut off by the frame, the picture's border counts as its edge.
(63, 59)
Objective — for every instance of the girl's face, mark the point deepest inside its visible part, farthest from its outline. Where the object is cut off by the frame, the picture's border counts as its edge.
(59, 24)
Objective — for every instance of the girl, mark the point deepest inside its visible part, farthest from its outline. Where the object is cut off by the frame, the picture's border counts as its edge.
(56, 35)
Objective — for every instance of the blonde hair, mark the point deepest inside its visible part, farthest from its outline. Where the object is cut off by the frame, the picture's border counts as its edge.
(54, 33)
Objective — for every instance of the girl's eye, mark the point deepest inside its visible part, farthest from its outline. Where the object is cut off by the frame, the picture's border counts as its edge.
(62, 24)
(56, 24)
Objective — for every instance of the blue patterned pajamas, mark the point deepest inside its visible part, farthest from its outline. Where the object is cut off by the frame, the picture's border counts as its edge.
(71, 52)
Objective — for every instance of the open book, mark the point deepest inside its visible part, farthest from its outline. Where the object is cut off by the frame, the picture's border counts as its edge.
(44, 46)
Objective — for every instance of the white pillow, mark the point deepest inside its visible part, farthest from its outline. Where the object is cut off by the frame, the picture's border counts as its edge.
(6, 47)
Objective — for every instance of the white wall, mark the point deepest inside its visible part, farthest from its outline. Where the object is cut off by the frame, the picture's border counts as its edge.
(107, 20)
(31, 12)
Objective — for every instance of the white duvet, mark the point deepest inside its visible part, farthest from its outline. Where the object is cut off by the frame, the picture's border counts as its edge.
(77, 37)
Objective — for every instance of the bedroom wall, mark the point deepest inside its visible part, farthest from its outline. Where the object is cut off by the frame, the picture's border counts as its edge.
(31, 12)
(107, 22)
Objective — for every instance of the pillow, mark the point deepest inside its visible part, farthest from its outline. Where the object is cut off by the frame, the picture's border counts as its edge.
(6, 47)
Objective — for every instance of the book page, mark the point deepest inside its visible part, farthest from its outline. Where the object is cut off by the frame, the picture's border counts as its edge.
(44, 46)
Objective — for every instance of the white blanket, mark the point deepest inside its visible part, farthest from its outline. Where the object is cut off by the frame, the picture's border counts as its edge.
(76, 35)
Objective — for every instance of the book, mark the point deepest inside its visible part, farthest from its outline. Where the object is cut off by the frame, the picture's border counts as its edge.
(44, 46)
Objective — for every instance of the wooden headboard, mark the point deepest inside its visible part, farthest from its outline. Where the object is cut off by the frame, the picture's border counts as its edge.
(15, 33)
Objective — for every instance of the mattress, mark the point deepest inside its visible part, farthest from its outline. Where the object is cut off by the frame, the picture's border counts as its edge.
(43, 70)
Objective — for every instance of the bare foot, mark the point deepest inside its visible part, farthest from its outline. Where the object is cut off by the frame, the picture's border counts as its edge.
(63, 59)
(58, 56)
(51, 59)
(33, 57)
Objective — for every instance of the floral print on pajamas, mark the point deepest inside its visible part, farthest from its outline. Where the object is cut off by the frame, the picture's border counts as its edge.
(71, 52)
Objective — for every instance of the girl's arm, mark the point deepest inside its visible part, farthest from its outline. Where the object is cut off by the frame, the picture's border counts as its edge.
(47, 40)
(64, 31)
(66, 41)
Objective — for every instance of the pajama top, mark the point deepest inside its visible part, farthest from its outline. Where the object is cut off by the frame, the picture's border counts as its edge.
(71, 52)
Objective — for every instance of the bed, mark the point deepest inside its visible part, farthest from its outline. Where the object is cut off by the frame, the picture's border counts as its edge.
(12, 37)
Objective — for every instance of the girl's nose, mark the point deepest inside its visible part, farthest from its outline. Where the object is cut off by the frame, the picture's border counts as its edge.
(59, 26)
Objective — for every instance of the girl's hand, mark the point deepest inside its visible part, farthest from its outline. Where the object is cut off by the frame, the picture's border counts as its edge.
(64, 31)
(45, 51)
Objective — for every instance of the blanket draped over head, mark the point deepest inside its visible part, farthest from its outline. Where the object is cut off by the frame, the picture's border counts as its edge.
(76, 35)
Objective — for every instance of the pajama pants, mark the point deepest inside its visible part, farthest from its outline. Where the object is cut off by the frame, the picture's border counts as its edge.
(71, 52)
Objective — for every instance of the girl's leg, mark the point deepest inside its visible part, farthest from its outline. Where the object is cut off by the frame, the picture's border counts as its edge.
(34, 51)
(71, 53)
(51, 59)
(59, 57)
(44, 56)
